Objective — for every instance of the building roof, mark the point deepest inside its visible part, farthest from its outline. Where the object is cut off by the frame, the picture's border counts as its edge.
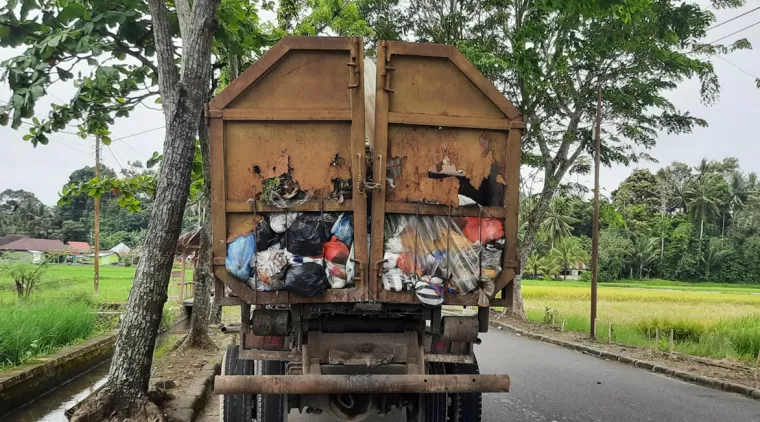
(121, 248)
(4, 240)
(80, 246)
(31, 244)
(103, 253)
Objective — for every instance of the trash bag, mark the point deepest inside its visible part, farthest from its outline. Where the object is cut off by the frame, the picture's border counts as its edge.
(306, 279)
(336, 251)
(396, 281)
(492, 229)
(270, 264)
(239, 254)
(307, 235)
(350, 267)
(343, 230)
(490, 262)
(265, 235)
(429, 294)
(336, 275)
(281, 221)
(390, 259)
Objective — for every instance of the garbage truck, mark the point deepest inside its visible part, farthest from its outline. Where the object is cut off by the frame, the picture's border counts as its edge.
(354, 202)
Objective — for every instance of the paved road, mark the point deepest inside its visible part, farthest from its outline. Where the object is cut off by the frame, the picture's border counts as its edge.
(550, 383)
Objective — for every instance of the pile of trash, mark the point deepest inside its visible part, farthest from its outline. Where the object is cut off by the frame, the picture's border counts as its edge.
(433, 254)
(302, 253)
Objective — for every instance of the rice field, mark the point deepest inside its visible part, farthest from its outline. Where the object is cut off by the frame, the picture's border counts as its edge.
(61, 310)
(715, 320)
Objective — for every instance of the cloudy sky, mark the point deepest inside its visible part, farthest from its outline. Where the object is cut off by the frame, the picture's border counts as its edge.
(45, 169)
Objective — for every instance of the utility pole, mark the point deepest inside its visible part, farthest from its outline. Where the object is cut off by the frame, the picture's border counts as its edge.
(97, 218)
(595, 238)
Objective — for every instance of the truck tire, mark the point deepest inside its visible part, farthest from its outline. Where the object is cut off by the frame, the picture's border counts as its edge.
(464, 407)
(236, 407)
(270, 407)
(434, 405)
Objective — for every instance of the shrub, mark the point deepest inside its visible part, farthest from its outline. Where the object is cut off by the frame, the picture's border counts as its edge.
(683, 330)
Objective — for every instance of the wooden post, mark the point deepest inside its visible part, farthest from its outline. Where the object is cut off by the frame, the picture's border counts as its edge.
(562, 329)
(757, 364)
(670, 346)
(609, 331)
(657, 339)
(595, 228)
(96, 240)
(182, 278)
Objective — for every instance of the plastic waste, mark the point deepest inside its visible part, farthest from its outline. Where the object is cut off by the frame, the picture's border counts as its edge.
(336, 251)
(239, 254)
(390, 259)
(307, 235)
(343, 230)
(281, 221)
(350, 267)
(265, 235)
(336, 275)
(269, 268)
(307, 279)
(491, 230)
(429, 294)
(465, 201)
(396, 281)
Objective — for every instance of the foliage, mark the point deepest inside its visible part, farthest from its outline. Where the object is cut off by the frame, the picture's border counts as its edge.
(568, 253)
(24, 272)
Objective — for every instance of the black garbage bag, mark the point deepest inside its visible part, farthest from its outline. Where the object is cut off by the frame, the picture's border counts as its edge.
(265, 236)
(307, 235)
(307, 279)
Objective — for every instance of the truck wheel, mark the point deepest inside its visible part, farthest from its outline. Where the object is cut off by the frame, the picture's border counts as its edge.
(236, 407)
(434, 405)
(270, 407)
(464, 407)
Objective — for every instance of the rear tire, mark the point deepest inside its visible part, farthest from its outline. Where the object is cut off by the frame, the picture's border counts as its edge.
(236, 407)
(434, 405)
(465, 407)
(271, 407)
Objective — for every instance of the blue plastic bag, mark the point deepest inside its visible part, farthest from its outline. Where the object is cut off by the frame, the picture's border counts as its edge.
(239, 255)
(343, 230)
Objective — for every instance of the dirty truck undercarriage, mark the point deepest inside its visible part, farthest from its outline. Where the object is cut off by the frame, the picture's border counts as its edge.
(362, 349)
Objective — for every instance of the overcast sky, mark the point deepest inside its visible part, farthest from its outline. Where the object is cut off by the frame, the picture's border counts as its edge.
(45, 169)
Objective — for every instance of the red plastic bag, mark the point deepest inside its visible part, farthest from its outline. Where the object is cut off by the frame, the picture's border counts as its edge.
(405, 262)
(491, 229)
(336, 251)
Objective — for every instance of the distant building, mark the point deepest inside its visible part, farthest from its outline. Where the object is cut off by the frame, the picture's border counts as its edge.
(36, 249)
(106, 258)
(121, 249)
(78, 251)
(4, 240)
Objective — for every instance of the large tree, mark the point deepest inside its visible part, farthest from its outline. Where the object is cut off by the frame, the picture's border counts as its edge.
(550, 57)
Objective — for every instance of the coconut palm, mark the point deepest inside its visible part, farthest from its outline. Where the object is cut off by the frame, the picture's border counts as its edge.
(643, 253)
(714, 254)
(568, 253)
(557, 222)
(704, 199)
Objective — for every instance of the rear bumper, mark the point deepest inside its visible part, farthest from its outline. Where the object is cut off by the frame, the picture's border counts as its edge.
(360, 384)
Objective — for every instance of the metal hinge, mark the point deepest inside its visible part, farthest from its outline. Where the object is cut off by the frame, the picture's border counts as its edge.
(386, 69)
(353, 65)
(206, 114)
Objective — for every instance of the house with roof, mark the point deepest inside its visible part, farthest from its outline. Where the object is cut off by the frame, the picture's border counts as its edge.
(35, 249)
(78, 251)
(4, 240)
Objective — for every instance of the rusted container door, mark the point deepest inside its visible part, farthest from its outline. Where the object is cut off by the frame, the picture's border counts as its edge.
(435, 111)
(299, 109)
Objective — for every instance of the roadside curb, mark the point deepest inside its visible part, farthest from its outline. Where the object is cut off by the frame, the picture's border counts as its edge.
(691, 377)
(191, 405)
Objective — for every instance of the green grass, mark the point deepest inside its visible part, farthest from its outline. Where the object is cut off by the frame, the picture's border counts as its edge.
(711, 321)
(652, 284)
(61, 310)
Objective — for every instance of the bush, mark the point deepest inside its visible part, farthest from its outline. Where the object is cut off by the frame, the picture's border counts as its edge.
(743, 333)
(683, 330)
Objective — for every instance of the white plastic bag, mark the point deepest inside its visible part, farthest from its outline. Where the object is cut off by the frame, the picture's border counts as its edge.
(269, 268)
(281, 221)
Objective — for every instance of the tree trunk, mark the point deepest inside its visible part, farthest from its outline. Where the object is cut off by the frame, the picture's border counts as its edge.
(204, 273)
(125, 392)
(701, 227)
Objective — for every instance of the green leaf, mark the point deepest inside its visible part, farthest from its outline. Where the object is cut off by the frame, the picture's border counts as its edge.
(65, 75)
(158, 100)
(54, 41)
(36, 121)
(17, 101)
(119, 54)
(27, 137)
(92, 62)
(37, 92)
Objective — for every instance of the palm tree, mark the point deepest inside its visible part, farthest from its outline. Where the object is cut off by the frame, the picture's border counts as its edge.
(703, 196)
(643, 253)
(735, 203)
(533, 265)
(568, 253)
(557, 223)
(714, 254)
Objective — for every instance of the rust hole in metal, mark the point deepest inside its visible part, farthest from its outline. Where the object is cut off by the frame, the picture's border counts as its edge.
(257, 170)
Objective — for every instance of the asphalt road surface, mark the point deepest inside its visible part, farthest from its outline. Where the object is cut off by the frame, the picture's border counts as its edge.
(550, 383)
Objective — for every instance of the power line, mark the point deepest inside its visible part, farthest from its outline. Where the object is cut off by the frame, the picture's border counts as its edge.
(733, 19)
(734, 33)
(138, 133)
(737, 66)
(114, 157)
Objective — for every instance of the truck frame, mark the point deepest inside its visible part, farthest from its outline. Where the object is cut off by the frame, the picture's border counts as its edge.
(301, 109)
